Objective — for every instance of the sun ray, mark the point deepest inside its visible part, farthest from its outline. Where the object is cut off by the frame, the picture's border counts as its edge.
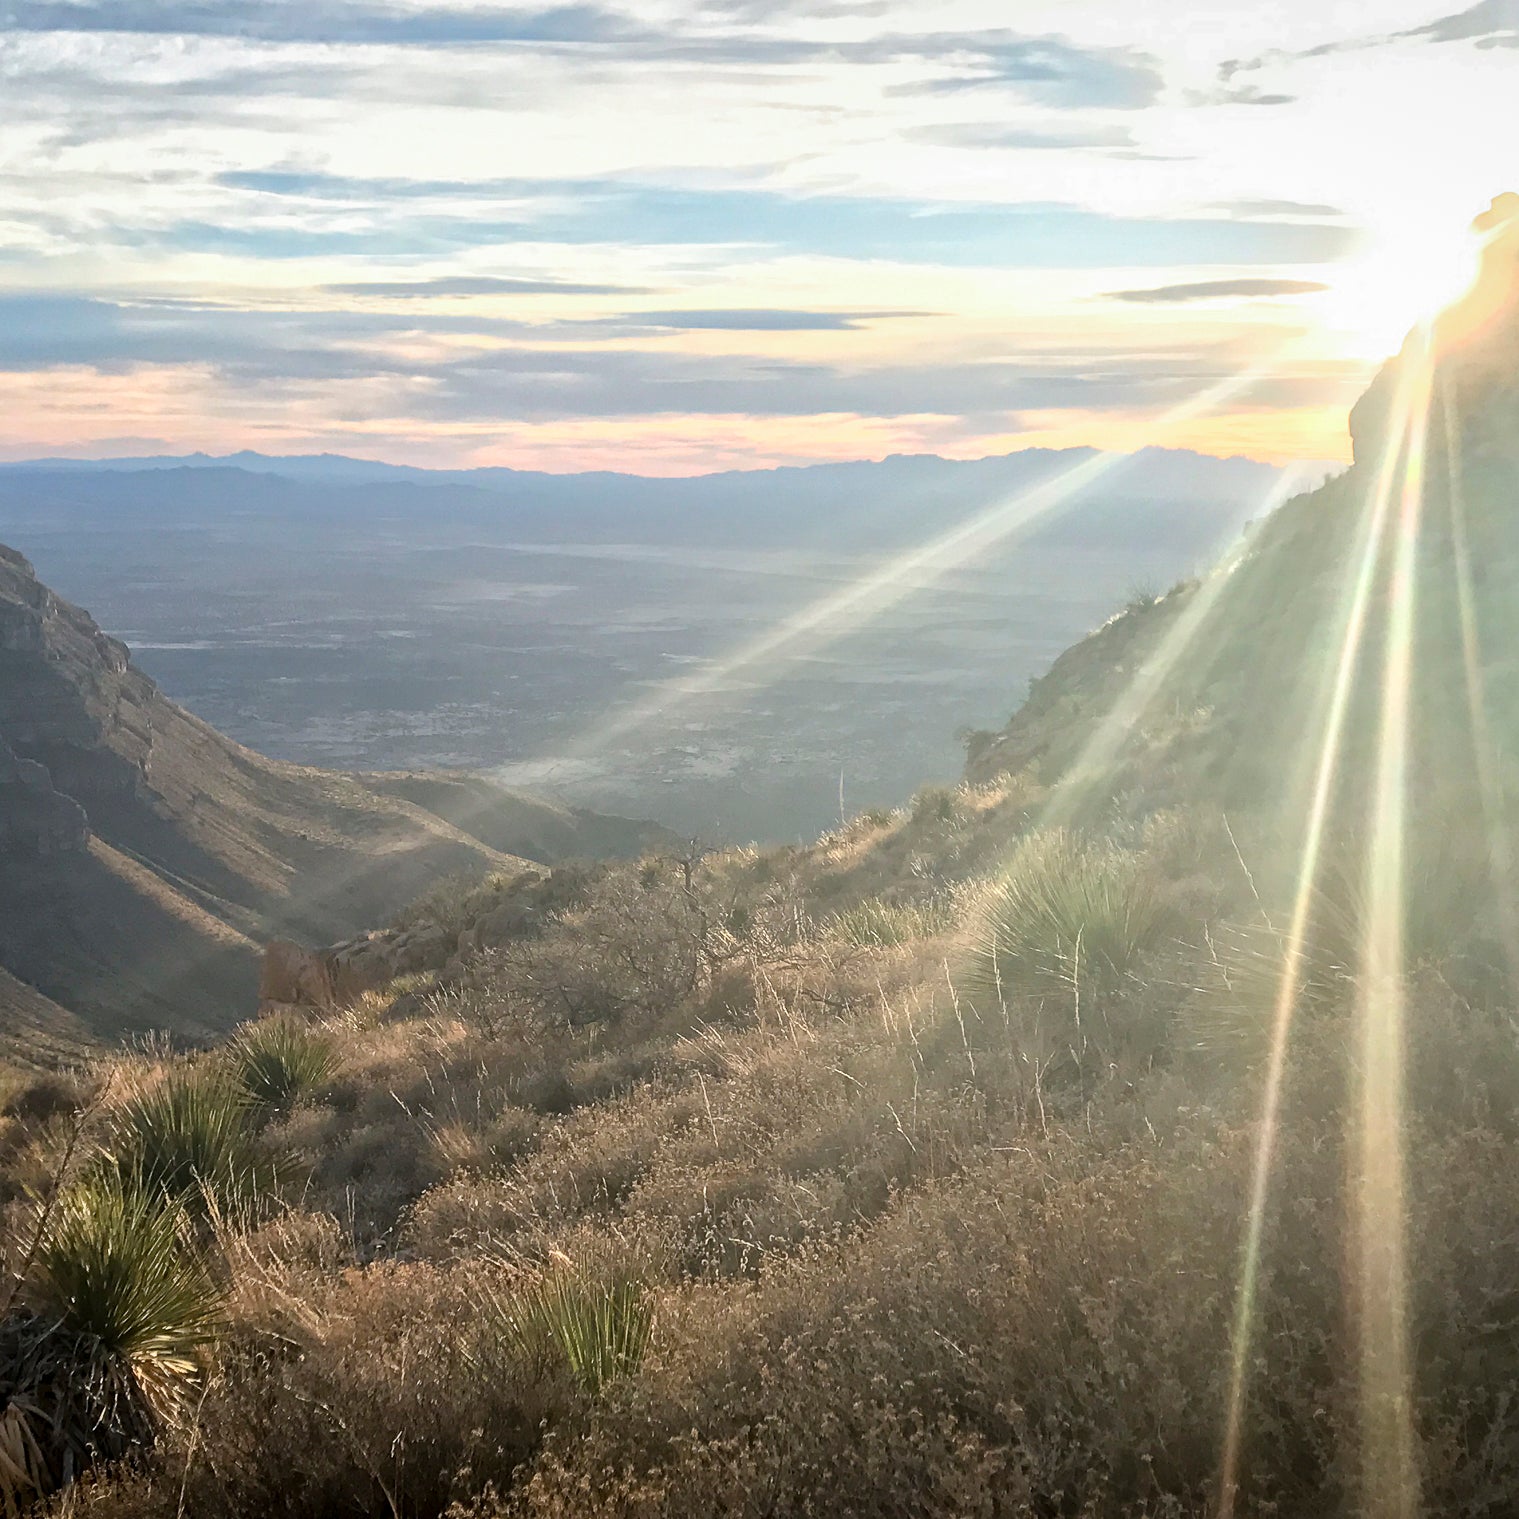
(1389, 1469)
(865, 599)
(1095, 762)
(1352, 633)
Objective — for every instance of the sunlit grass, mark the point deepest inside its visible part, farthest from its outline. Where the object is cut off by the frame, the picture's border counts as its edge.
(599, 1330)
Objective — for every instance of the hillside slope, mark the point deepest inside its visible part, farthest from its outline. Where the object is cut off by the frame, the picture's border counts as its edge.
(144, 854)
(1225, 689)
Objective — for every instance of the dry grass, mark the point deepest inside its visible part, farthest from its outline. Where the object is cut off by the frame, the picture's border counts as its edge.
(891, 1264)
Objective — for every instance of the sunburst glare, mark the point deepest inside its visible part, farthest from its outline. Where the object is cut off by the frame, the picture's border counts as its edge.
(1357, 606)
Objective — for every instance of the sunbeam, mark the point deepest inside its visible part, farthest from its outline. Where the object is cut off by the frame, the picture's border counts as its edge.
(865, 599)
(1096, 760)
(1352, 632)
(1389, 1471)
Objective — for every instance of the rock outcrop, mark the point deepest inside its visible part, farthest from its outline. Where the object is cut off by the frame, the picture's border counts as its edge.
(143, 855)
(36, 819)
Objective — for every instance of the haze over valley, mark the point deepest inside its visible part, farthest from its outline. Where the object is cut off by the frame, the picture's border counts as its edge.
(361, 617)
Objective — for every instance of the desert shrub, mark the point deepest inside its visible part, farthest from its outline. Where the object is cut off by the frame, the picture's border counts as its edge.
(641, 943)
(455, 901)
(190, 1136)
(279, 1061)
(1066, 934)
(120, 1308)
(596, 1329)
(377, 1391)
(935, 804)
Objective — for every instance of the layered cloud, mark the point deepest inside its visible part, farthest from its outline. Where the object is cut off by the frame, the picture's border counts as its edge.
(684, 229)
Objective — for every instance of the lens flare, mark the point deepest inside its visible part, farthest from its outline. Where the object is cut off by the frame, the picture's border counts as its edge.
(865, 599)
(1484, 753)
(1095, 762)
(1373, 530)
(1390, 1484)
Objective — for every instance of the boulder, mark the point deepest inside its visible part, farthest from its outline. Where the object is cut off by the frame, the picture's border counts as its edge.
(292, 975)
(360, 965)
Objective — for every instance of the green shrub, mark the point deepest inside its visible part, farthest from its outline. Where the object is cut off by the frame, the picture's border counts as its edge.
(598, 1330)
(121, 1269)
(1071, 915)
(279, 1061)
(122, 1306)
(191, 1137)
(1066, 934)
(935, 804)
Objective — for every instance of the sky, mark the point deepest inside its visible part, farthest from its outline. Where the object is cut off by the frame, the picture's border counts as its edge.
(672, 236)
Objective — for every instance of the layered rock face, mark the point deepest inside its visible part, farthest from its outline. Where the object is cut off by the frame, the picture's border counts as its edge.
(36, 819)
(69, 698)
(144, 856)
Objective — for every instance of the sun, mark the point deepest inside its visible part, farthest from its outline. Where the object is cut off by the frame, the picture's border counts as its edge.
(1407, 275)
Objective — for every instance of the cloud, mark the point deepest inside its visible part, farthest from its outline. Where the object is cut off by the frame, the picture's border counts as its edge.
(753, 320)
(474, 284)
(1292, 209)
(1050, 70)
(319, 21)
(1243, 94)
(290, 354)
(529, 385)
(1490, 23)
(1214, 290)
(626, 212)
(993, 134)
(1493, 23)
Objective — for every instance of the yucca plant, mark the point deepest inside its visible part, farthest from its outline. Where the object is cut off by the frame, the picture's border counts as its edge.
(121, 1307)
(191, 1137)
(599, 1330)
(1068, 920)
(279, 1061)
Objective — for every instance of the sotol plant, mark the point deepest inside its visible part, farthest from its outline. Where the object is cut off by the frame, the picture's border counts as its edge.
(1065, 933)
(121, 1306)
(599, 1330)
(190, 1137)
(279, 1061)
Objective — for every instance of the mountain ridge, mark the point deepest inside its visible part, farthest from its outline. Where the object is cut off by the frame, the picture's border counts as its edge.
(354, 468)
(145, 855)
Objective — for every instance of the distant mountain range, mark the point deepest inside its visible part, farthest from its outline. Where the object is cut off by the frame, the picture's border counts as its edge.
(355, 471)
(1188, 497)
(358, 615)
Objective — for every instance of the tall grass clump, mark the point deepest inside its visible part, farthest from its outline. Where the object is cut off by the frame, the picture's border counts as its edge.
(120, 1308)
(280, 1061)
(878, 924)
(191, 1137)
(596, 1329)
(1065, 935)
